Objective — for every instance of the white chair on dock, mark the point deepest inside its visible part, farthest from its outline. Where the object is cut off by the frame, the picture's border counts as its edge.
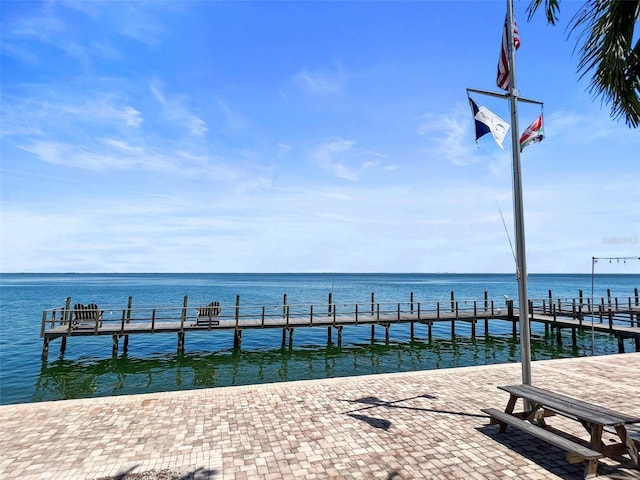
(208, 316)
(86, 316)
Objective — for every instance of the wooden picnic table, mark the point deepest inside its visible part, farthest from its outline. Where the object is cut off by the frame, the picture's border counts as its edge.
(540, 404)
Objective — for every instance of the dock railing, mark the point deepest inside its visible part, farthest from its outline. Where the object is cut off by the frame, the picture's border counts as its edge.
(612, 310)
(116, 319)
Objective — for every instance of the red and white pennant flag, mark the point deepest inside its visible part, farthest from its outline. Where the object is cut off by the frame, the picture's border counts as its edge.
(533, 134)
(503, 63)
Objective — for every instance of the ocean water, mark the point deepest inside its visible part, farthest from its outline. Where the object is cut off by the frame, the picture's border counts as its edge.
(152, 364)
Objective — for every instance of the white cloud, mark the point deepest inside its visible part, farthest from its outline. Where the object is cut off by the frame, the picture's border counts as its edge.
(320, 83)
(233, 120)
(173, 109)
(449, 136)
(283, 149)
(340, 158)
(139, 24)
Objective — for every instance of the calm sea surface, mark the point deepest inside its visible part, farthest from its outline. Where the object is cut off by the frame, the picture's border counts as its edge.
(152, 364)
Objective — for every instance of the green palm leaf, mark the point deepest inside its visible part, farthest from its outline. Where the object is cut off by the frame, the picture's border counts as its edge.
(607, 51)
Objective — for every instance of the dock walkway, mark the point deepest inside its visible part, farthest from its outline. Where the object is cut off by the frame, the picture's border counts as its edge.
(620, 317)
(401, 426)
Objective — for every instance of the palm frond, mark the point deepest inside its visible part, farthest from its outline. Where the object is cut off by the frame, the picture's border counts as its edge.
(551, 8)
(607, 29)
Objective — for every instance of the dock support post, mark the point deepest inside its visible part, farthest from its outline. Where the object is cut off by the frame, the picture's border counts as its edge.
(237, 313)
(453, 322)
(237, 339)
(546, 329)
(180, 349)
(63, 345)
(559, 334)
(284, 337)
(329, 335)
(486, 300)
(473, 328)
(373, 332)
(574, 337)
(45, 349)
(373, 296)
(290, 337)
(183, 314)
(620, 344)
(412, 328)
(452, 301)
(386, 332)
(411, 302)
(637, 340)
(514, 330)
(67, 313)
(580, 297)
(329, 304)
(284, 306)
(340, 336)
(114, 349)
(125, 347)
(486, 326)
(430, 331)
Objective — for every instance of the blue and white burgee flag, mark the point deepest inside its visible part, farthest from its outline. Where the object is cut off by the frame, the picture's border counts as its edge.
(486, 121)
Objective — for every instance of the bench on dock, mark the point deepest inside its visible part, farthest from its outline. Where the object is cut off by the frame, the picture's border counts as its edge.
(576, 452)
(206, 315)
(541, 403)
(86, 316)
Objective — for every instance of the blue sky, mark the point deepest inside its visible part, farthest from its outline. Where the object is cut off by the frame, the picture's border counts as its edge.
(298, 137)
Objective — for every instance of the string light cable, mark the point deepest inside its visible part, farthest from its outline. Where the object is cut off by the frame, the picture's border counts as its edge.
(595, 260)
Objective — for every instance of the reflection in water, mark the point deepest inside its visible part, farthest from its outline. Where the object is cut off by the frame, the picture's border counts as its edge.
(66, 379)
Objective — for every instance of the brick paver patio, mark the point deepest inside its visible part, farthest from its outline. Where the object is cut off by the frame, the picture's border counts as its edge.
(424, 424)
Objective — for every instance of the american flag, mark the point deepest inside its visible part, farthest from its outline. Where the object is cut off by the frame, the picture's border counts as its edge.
(503, 64)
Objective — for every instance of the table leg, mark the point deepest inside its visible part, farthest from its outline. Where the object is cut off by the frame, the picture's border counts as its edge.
(621, 430)
(596, 437)
(511, 404)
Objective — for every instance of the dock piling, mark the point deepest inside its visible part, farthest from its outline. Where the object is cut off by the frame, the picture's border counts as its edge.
(181, 342)
(237, 339)
(45, 349)
(411, 302)
(372, 302)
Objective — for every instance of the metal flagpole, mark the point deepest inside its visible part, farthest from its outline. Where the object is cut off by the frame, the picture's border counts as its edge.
(523, 299)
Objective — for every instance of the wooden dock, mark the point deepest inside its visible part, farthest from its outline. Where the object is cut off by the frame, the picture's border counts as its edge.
(615, 316)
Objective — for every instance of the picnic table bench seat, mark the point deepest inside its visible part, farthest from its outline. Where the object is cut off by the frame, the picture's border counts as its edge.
(576, 452)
